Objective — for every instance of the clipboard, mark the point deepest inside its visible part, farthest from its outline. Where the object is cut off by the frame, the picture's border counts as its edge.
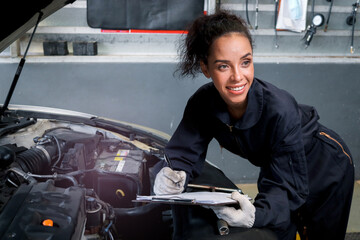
(190, 198)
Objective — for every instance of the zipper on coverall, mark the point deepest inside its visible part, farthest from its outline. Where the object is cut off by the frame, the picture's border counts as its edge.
(231, 127)
(334, 140)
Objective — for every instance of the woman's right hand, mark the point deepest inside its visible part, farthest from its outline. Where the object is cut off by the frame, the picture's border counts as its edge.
(168, 181)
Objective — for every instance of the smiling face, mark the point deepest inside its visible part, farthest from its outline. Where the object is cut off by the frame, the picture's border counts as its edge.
(230, 66)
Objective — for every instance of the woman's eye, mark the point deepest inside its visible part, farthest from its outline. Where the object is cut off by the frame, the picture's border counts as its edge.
(221, 67)
(246, 63)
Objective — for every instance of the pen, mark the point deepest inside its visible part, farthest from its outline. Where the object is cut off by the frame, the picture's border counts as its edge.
(214, 189)
(173, 200)
(167, 160)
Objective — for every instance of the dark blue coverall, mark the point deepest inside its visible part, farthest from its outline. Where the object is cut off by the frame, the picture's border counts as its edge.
(306, 170)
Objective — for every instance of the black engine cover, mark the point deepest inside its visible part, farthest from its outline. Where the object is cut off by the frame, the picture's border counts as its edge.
(23, 216)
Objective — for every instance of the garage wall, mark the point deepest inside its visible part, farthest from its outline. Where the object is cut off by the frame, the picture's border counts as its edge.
(70, 24)
(148, 94)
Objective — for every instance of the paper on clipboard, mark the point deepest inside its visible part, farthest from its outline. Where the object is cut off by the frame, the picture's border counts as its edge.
(191, 198)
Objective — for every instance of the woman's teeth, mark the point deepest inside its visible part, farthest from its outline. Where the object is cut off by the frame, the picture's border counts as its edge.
(236, 88)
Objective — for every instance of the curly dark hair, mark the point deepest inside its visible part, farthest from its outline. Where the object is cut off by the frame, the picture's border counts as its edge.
(201, 34)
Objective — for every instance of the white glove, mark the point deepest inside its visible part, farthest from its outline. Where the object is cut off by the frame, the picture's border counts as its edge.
(242, 217)
(168, 181)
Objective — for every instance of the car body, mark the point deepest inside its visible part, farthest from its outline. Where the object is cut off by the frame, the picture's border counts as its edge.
(41, 198)
(112, 159)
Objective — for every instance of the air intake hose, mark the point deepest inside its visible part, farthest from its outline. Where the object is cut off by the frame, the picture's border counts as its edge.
(35, 160)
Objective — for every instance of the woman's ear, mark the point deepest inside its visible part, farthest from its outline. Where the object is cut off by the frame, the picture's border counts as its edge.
(204, 69)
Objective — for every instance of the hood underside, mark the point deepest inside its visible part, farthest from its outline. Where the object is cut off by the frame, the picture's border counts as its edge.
(22, 16)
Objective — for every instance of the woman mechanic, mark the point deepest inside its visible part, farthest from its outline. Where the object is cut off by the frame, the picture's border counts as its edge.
(306, 170)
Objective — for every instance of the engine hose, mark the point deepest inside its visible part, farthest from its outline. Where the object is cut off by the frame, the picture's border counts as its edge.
(30, 177)
(37, 159)
(11, 176)
(55, 176)
(32, 160)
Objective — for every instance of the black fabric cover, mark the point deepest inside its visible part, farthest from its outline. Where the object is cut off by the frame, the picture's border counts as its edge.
(212, 176)
(143, 14)
(198, 223)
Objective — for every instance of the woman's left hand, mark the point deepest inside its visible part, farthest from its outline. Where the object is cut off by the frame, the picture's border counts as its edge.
(242, 217)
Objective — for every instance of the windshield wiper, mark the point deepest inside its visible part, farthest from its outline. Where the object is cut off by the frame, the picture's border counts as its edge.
(18, 71)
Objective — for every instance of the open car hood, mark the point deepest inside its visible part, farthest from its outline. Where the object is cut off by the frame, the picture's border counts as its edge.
(19, 117)
(13, 26)
(101, 162)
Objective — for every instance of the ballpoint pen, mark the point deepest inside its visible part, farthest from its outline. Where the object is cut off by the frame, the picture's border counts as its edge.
(173, 200)
(167, 160)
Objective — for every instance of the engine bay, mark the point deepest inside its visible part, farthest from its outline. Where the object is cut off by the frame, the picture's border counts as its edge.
(74, 181)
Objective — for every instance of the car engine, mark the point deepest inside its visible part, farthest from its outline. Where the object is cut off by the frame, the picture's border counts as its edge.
(61, 180)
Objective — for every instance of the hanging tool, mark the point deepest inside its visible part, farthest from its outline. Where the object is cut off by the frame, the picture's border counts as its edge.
(247, 13)
(256, 14)
(351, 20)
(312, 9)
(328, 16)
(317, 21)
(275, 21)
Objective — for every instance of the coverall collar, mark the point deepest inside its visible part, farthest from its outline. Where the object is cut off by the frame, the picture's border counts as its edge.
(253, 110)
